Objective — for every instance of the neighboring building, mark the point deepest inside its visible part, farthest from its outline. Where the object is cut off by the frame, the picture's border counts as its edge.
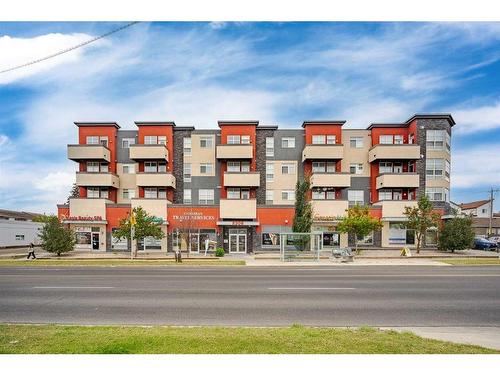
(480, 212)
(17, 228)
(236, 185)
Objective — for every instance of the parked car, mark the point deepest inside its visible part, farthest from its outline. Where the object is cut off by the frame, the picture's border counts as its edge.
(495, 239)
(484, 244)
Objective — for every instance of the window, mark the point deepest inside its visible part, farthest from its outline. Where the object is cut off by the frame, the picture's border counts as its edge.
(206, 196)
(245, 193)
(431, 236)
(366, 240)
(150, 140)
(288, 168)
(398, 235)
(270, 240)
(233, 166)
(19, 237)
(187, 146)
(331, 139)
(269, 146)
(162, 167)
(103, 141)
(233, 193)
(128, 193)
(150, 166)
(155, 193)
(245, 139)
(438, 194)
(126, 142)
(206, 168)
(447, 170)
(448, 141)
(269, 172)
(385, 195)
(92, 166)
(104, 193)
(435, 139)
(323, 193)
(356, 142)
(385, 167)
(356, 168)
(128, 168)
(92, 192)
(386, 139)
(162, 139)
(288, 142)
(411, 139)
(92, 140)
(187, 172)
(206, 141)
(187, 196)
(434, 168)
(245, 166)
(269, 196)
(318, 139)
(398, 139)
(288, 195)
(355, 197)
(233, 139)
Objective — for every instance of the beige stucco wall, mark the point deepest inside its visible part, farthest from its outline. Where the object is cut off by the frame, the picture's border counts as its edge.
(242, 179)
(329, 208)
(234, 151)
(356, 155)
(88, 152)
(144, 152)
(404, 152)
(401, 180)
(154, 207)
(437, 182)
(201, 155)
(88, 207)
(155, 179)
(330, 180)
(104, 179)
(238, 208)
(283, 181)
(323, 152)
(440, 182)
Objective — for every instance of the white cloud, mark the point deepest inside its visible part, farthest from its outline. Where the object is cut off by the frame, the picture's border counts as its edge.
(217, 25)
(483, 118)
(474, 167)
(3, 140)
(17, 51)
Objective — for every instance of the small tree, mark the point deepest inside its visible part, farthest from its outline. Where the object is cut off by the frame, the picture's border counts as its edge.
(43, 218)
(74, 193)
(421, 218)
(359, 223)
(456, 234)
(55, 237)
(302, 220)
(145, 226)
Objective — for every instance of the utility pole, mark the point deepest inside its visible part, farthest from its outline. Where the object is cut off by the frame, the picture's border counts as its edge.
(490, 226)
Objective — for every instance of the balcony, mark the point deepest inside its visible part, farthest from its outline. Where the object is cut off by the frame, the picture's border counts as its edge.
(394, 209)
(89, 152)
(398, 180)
(235, 152)
(321, 179)
(394, 152)
(154, 207)
(243, 179)
(148, 152)
(323, 152)
(87, 210)
(104, 179)
(328, 210)
(238, 209)
(155, 179)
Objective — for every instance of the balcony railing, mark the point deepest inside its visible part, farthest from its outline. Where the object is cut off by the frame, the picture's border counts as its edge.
(243, 179)
(394, 152)
(398, 180)
(236, 151)
(328, 210)
(155, 179)
(321, 179)
(394, 209)
(104, 179)
(88, 152)
(148, 152)
(323, 152)
(238, 209)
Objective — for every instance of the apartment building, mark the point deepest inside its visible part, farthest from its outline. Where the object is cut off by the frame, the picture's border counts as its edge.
(235, 186)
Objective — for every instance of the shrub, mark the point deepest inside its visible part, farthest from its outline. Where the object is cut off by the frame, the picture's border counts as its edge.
(456, 234)
(219, 252)
(56, 238)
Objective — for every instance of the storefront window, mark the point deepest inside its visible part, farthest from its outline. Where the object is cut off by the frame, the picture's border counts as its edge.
(331, 239)
(431, 237)
(270, 239)
(118, 243)
(398, 235)
(194, 240)
(366, 240)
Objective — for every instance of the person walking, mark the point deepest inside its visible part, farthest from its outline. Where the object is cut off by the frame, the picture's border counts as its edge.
(32, 251)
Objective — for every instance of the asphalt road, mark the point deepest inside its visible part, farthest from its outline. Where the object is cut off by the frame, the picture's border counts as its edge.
(333, 296)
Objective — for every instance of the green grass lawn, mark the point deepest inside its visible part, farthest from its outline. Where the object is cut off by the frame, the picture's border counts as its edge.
(471, 261)
(54, 339)
(117, 262)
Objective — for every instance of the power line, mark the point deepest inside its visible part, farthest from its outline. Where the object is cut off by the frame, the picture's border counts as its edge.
(69, 49)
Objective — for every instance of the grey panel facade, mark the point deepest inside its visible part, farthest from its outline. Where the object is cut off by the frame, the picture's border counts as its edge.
(123, 154)
(290, 153)
(261, 162)
(202, 182)
(359, 183)
(178, 160)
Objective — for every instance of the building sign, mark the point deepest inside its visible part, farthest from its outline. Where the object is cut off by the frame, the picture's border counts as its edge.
(270, 239)
(195, 216)
(83, 218)
(327, 218)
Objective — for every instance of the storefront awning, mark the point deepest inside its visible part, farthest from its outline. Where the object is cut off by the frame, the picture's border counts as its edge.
(238, 223)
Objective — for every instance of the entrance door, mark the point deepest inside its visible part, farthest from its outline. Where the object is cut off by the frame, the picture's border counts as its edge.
(237, 240)
(95, 241)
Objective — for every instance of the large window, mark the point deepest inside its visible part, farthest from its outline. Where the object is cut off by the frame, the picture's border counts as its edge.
(431, 237)
(206, 168)
(187, 172)
(447, 170)
(288, 168)
(269, 196)
(434, 168)
(318, 139)
(150, 140)
(128, 168)
(270, 146)
(288, 142)
(187, 196)
(126, 142)
(321, 166)
(386, 139)
(356, 142)
(206, 141)
(269, 172)
(437, 139)
(237, 193)
(238, 166)
(92, 166)
(355, 197)
(366, 240)
(323, 193)
(288, 195)
(206, 196)
(155, 167)
(97, 192)
(92, 140)
(385, 167)
(356, 168)
(438, 194)
(270, 240)
(194, 240)
(128, 193)
(233, 139)
(398, 235)
(187, 146)
(155, 192)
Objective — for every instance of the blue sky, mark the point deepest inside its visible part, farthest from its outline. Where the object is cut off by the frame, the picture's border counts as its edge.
(278, 73)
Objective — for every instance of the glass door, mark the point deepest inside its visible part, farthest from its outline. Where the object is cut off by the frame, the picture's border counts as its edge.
(237, 240)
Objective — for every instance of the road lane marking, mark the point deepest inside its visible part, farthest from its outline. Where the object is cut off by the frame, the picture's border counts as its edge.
(310, 288)
(73, 287)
